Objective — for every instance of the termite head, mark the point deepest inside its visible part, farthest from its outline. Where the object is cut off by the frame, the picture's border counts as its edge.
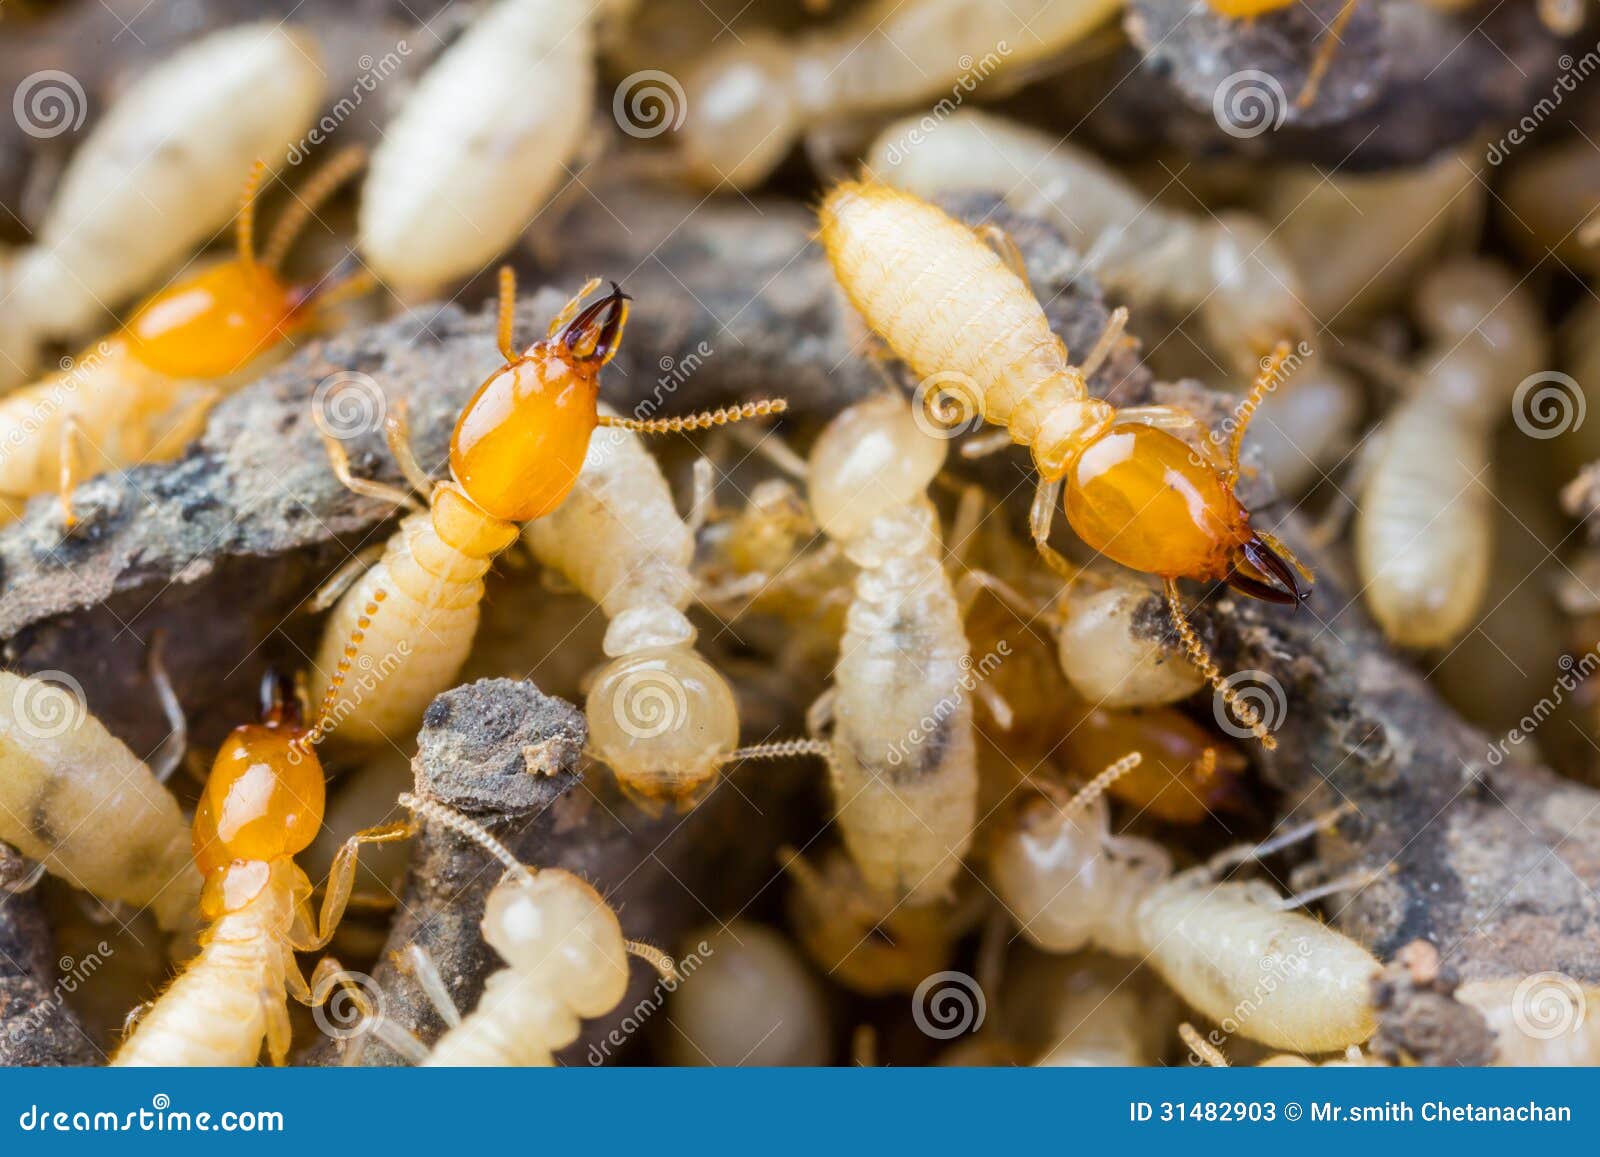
(1145, 499)
(213, 323)
(520, 442)
(262, 802)
(555, 925)
(872, 459)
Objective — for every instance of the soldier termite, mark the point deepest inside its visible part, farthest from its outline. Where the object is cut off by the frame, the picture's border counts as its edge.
(566, 959)
(262, 804)
(751, 1000)
(1422, 533)
(750, 98)
(517, 450)
(1226, 268)
(142, 393)
(1134, 490)
(480, 145)
(158, 176)
(1072, 884)
(74, 798)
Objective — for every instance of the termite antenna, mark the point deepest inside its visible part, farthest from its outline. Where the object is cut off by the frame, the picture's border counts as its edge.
(1322, 822)
(1093, 790)
(508, 314)
(327, 713)
(434, 810)
(1201, 658)
(1349, 882)
(783, 749)
(704, 420)
(1203, 1050)
(426, 973)
(1325, 52)
(1265, 381)
(655, 958)
(244, 225)
(322, 184)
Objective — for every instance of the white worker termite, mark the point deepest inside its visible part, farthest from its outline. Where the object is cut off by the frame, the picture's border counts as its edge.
(1425, 514)
(74, 798)
(1072, 884)
(753, 96)
(158, 176)
(1226, 268)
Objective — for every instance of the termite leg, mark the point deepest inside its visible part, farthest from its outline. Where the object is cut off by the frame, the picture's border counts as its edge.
(279, 1031)
(1317, 824)
(970, 584)
(508, 314)
(970, 509)
(186, 426)
(1203, 662)
(69, 467)
(1004, 248)
(1202, 1049)
(341, 878)
(169, 754)
(774, 450)
(397, 433)
(704, 420)
(1349, 882)
(244, 224)
(819, 716)
(366, 487)
(1040, 518)
(426, 973)
(342, 579)
(985, 444)
(702, 494)
(1116, 324)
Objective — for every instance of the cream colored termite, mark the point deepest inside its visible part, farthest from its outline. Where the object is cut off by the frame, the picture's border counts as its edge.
(1226, 268)
(1307, 429)
(73, 797)
(1358, 240)
(1071, 884)
(860, 940)
(159, 175)
(902, 752)
(659, 714)
(747, 998)
(565, 954)
(481, 144)
(752, 96)
(1092, 1010)
(1545, 1019)
(1423, 529)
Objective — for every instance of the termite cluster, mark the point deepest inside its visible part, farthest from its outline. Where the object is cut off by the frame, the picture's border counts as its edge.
(991, 609)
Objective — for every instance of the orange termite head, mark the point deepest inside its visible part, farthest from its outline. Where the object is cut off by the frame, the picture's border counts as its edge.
(520, 442)
(263, 800)
(213, 323)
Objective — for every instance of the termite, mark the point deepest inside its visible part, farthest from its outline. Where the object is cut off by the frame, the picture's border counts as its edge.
(1545, 1019)
(1206, 1051)
(261, 805)
(480, 144)
(1136, 492)
(1227, 268)
(74, 798)
(158, 176)
(1093, 1011)
(142, 393)
(901, 754)
(517, 450)
(860, 940)
(1072, 884)
(566, 959)
(750, 1000)
(1423, 528)
(661, 716)
(752, 97)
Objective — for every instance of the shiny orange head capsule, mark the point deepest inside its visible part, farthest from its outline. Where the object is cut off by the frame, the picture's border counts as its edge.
(520, 442)
(1185, 774)
(215, 322)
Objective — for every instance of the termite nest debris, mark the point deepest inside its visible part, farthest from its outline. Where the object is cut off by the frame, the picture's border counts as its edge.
(528, 539)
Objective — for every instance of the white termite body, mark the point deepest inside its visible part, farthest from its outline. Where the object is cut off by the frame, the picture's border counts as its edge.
(73, 797)
(160, 175)
(904, 761)
(749, 99)
(480, 145)
(1546, 1019)
(662, 717)
(1227, 268)
(1110, 654)
(1423, 534)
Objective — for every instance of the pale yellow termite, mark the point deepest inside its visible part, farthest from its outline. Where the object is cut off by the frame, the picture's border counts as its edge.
(752, 96)
(1425, 514)
(1227, 268)
(1545, 1019)
(262, 804)
(566, 959)
(1072, 884)
(159, 175)
(747, 999)
(481, 144)
(73, 797)
(1091, 1010)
